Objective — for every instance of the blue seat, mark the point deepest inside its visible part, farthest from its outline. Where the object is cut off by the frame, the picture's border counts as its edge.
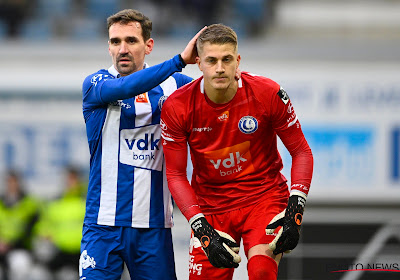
(181, 30)
(54, 8)
(3, 29)
(87, 29)
(37, 29)
(250, 9)
(102, 8)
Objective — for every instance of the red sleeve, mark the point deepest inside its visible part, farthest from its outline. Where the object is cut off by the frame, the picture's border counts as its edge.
(288, 128)
(302, 158)
(176, 153)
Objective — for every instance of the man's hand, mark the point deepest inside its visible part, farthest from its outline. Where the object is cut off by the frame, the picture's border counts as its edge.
(220, 248)
(189, 54)
(290, 220)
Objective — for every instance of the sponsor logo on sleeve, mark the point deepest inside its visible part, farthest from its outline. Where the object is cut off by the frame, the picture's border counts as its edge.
(163, 125)
(99, 77)
(293, 117)
(283, 95)
(290, 108)
(165, 135)
(299, 187)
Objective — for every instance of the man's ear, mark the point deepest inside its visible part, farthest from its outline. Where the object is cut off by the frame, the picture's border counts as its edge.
(149, 46)
(198, 62)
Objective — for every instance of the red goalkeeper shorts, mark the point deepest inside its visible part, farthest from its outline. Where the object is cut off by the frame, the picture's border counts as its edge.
(246, 223)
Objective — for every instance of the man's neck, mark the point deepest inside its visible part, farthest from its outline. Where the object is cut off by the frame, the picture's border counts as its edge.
(221, 96)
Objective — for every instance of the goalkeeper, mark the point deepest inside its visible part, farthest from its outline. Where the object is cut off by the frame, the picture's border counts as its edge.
(237, 190)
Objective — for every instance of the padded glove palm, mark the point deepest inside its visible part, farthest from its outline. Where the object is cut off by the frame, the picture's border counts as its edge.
(290, 220)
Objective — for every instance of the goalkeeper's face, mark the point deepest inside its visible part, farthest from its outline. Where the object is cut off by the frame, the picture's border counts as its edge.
(219, 64)
(127, 47)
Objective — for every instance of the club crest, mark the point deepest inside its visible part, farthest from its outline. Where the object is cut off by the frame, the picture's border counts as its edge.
(248, 124)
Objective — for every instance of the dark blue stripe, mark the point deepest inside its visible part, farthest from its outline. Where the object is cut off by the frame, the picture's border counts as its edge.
(124, 193)
(157, 200)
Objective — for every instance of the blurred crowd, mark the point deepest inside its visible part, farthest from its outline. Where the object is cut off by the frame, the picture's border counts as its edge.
(85, 19)
(40, 239)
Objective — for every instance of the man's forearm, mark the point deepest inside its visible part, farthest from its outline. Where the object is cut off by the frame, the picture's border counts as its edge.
(140, 81)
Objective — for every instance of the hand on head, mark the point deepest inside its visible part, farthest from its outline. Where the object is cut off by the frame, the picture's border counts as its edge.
(189, 54)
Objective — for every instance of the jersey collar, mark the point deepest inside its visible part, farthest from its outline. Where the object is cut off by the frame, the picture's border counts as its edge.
(115, 73)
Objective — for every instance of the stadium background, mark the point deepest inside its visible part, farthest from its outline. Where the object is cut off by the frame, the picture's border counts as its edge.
(339, 61)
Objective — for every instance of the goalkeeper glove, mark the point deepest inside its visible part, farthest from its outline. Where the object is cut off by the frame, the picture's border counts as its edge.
(220, 248)
(290, 220)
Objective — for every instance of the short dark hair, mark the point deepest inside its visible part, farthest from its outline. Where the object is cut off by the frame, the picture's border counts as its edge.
(128, 15)
(217, 34)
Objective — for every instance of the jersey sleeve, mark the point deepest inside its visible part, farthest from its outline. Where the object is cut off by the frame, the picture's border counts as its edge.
(288, 128)
(100, 89)
(176, 153)
(173, 123)
(182, 80)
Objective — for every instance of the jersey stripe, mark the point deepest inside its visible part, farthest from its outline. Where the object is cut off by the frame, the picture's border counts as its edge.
(143, 113)
(109, 163)
(169, 86)
(168, 206)
(141, 197)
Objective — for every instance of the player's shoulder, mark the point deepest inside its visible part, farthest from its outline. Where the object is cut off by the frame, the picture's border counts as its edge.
(184, 93)
(261, 81)
(180, 76)
(95, 77)
(99, 73)
(262, 87)
(181, 79)
(266, 89)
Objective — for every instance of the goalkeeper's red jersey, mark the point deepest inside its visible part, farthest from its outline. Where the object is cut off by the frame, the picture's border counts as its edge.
(233, 146)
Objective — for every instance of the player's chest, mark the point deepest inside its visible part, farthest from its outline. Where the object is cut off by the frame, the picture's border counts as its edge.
(141, 110)
(236, 123)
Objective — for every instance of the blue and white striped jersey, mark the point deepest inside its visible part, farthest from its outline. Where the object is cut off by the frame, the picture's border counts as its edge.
(127, 182)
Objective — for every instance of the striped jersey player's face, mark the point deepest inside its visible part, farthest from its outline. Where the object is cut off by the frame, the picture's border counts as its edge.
(127, 47)
(218, 64)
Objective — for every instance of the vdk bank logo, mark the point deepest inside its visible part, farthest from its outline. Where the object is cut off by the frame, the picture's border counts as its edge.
(229, 163)
(143, 144)
(140, 147)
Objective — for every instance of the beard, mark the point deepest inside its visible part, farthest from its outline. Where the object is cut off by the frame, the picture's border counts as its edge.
(126, 67)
